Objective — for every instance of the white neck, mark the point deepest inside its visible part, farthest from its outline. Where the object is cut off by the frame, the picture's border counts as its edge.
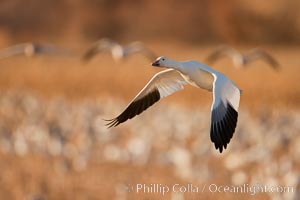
(174, 64)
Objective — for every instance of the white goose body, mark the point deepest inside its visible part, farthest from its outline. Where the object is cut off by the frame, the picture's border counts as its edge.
(118, 51)
(197, 74)
(226, 95)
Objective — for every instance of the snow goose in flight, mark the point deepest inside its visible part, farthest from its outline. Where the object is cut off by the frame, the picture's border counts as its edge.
(241, 61)
(118, 51)
(31, 49)
(226, 95)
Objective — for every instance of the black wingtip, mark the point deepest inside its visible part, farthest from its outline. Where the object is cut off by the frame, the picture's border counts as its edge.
(135, 108)
(85, 58)
(222, 130)
(220, 149)
(112, 123)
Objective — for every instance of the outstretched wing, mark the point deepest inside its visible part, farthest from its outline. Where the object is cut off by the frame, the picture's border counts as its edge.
(221, 52)
(139, 47)
(31, 49)
(97, 47)
(51, 49)
(258, 53)
(19, 49)
(161, 85)
(224, 115)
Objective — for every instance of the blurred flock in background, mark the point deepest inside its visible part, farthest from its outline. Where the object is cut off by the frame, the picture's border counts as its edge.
(53, 140)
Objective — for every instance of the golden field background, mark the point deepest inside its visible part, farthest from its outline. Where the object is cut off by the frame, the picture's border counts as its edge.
(54, 143)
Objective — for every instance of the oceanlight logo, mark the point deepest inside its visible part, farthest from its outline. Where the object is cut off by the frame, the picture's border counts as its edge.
(252, 190)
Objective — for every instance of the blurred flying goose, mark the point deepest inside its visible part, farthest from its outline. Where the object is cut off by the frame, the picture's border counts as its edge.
(118, 51)
(32, 49)
(240, 60)
(226, 95)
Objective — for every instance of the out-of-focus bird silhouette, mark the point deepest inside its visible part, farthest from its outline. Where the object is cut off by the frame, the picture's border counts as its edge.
(30, 49)
(118, 51)
(241, 61)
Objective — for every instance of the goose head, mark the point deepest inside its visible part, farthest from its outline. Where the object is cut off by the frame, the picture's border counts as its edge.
(164, 62)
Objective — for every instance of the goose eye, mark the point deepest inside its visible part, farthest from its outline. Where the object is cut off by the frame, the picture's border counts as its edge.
(163, 59)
